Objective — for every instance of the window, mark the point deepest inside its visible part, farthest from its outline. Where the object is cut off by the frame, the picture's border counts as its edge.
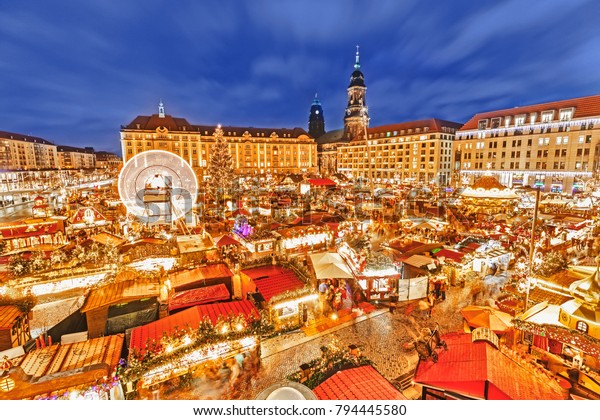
(581, 139)
(495, 122)
(566, 114)
(519, 120)
(532, 117)
(482, 124)
(547, 116)
(529, 142)
(581, 326)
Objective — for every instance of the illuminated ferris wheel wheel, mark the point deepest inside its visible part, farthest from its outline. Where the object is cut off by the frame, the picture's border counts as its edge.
(158, 187)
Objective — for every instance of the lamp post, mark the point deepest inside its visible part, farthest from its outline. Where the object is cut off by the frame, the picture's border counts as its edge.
(532, 244)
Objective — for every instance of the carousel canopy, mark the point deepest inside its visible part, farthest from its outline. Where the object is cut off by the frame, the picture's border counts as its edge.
(489, 187)
(330, 265)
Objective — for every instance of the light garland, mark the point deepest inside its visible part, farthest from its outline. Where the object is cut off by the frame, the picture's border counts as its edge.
(540, 125)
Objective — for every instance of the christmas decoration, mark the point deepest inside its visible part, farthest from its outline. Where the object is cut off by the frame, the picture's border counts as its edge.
(220, 169)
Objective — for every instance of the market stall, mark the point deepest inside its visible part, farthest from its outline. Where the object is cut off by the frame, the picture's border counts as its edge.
(85, 370)
(287, 299)
(188, 342)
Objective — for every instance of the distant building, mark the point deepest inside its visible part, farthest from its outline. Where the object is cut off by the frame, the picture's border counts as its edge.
(316, 119)
(107, 160)
(76, 157)
(255, 151)
(419, 151)
(24, 152)
(554, 145)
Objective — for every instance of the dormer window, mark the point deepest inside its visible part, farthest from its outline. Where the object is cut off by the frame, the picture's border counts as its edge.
(495, 122)
(547, 116)
(566, 114)
(532, 117)
(482, 125)
(519, 120)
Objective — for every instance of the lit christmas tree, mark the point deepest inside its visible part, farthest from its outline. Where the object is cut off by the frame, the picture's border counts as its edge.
(220, 169)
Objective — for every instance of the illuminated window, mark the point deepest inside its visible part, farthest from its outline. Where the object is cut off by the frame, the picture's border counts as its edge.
(582, 326)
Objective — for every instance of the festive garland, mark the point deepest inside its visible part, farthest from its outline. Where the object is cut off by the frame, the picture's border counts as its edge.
(334, 359)
(186, 340)
(583, 341)
(292, 294)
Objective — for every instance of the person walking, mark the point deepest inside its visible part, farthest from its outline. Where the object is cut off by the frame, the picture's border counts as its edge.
(443, 288)
(393, 300)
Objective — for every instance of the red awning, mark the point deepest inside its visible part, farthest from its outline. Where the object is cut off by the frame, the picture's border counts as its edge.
(322, 182)
(188, 319)
(273, 280)
(227, 240)
(448, 253)
(201, 295)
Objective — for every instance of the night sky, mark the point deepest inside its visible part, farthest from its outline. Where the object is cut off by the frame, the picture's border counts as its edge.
(74, 71)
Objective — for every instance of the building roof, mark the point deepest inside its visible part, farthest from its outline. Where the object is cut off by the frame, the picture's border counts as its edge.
(199, 296)
(181, 124)
(87, 150)
(470, 368)
(189, 318)
(62, 366)
(434, 125)
(106, 238)
(8, 315)
(24, 137)
(207, 272)
(332, 136)
(322, 182)
(121, 292)
(361, 383)
(273, 280)
(587, 106)
(450, 254)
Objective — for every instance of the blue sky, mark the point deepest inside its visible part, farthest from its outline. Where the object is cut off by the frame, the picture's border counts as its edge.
(74, 71)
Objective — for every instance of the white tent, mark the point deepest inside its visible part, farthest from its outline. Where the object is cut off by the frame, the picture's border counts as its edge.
(329, 265)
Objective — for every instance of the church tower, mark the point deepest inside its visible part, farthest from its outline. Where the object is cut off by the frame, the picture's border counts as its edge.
(356, 118)
(316, 120)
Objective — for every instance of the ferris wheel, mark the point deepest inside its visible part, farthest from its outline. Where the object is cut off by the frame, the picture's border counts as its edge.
(158, 186)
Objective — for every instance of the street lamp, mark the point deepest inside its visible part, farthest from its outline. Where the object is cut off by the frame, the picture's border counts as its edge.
(532, 245)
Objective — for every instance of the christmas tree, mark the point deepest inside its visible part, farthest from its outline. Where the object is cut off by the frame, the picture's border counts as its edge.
(220, 169)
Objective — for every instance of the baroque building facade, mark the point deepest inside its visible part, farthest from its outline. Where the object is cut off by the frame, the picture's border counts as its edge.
(255, 151)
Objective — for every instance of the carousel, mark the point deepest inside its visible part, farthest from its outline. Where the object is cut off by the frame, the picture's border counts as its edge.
(487, 196)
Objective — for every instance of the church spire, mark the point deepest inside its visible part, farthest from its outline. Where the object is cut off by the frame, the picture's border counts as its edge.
(357, 63)
(161, 109)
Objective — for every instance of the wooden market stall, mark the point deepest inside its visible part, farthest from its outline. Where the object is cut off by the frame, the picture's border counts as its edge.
(118, 306)
(81, 370)
(14, 327)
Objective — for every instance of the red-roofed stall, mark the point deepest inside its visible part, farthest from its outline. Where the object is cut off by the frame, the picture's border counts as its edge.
(477, 370)
(199, 296)
(182, 342)
(287, 297)
(360, 383)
